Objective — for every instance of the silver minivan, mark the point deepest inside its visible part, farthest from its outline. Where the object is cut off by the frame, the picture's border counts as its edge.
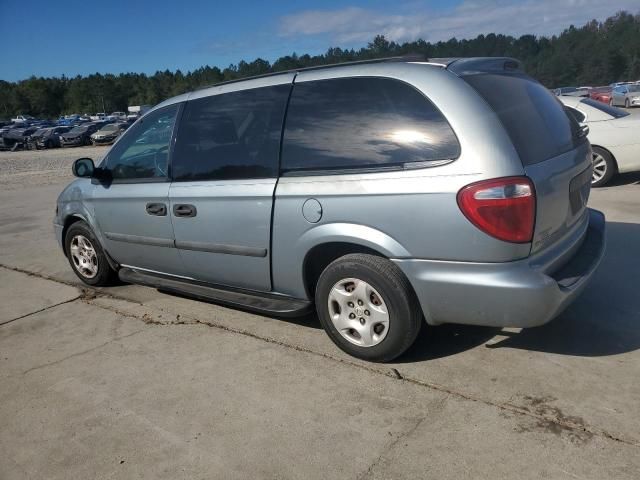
(387, 193)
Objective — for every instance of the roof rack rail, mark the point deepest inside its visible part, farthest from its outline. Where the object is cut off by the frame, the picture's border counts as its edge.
(402, 58)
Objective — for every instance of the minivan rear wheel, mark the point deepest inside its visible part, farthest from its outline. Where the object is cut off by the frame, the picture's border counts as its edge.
(86, 256)
(367, 307)
(604, 167)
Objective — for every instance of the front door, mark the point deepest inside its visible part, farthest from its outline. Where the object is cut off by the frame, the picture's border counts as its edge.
(224, 170)
(132, 207)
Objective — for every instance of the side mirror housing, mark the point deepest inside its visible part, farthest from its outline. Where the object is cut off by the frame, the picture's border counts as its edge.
(83, 168)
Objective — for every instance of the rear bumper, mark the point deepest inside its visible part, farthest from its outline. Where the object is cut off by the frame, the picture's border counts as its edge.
(523, 293)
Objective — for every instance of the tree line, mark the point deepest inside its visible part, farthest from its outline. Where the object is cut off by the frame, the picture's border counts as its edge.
(597, 53)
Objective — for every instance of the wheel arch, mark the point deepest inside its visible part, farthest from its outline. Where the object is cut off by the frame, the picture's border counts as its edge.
(321, 255)
(73, 218)
(324, 243)
(68, 221)
(613, 157)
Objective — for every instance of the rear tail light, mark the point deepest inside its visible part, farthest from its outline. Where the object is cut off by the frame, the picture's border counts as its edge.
(504, 208)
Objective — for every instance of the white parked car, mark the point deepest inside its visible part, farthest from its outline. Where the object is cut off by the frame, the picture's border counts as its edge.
(117, 116)
(614, 137)
(22, 119)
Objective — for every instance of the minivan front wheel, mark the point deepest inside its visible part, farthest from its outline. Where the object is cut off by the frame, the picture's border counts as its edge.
(367, 307)
(86, 256)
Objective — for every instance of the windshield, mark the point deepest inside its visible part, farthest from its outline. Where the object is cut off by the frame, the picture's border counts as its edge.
(603, 107)
(78, 129)
(109, 128)
(634, 88)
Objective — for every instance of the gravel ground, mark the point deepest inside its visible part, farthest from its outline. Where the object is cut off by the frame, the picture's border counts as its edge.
(42, 167)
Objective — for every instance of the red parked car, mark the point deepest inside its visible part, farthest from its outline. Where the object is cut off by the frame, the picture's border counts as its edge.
(601, 94)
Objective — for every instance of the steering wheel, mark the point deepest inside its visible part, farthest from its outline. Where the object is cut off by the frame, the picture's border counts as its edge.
(156, 160)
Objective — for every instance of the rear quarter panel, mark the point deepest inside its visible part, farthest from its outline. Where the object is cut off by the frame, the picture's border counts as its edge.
(401, 214)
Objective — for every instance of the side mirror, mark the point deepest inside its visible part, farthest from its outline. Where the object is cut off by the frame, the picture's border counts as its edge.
(83, 168)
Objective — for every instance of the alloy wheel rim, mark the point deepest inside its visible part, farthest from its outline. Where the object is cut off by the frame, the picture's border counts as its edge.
(599, 167)
(358, 312)
(84, 257)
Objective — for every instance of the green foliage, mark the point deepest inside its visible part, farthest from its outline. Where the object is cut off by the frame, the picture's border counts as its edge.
(594, 54)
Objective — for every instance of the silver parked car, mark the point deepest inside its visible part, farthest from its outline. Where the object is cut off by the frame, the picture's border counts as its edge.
(387, 193)
(625, 96)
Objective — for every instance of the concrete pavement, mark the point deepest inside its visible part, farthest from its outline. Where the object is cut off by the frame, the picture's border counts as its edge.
(129, 382)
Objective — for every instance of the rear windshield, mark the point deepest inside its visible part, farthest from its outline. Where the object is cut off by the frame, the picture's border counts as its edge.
(603, 107)
(535, 120)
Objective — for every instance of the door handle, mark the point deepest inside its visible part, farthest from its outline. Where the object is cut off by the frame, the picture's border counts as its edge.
(184, 210)
(158, 209)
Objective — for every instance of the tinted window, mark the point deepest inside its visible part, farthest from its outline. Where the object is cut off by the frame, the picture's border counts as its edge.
(363, 122)
(143, 152)
(231, 136)
(535, 120)
(603, 107)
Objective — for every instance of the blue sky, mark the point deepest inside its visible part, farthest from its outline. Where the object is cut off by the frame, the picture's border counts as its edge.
(48, 38)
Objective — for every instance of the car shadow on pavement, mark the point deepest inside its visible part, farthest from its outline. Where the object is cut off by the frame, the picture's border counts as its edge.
(605, 319)
(445, 340)
(632, 178)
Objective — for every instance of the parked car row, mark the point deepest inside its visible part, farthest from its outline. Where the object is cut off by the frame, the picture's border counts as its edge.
(623, 94)
(76, 119)
(50, 136)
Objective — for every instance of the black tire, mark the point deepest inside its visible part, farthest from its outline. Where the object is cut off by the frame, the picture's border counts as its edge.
(611, 102)
(609, 165)
(404, 312)
(105, 274)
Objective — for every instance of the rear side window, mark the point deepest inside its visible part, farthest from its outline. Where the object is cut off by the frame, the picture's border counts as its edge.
(231, 136)
(352, 123)
(538, 125)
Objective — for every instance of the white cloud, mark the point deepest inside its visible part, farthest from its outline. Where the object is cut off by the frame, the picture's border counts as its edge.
(467, 20)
